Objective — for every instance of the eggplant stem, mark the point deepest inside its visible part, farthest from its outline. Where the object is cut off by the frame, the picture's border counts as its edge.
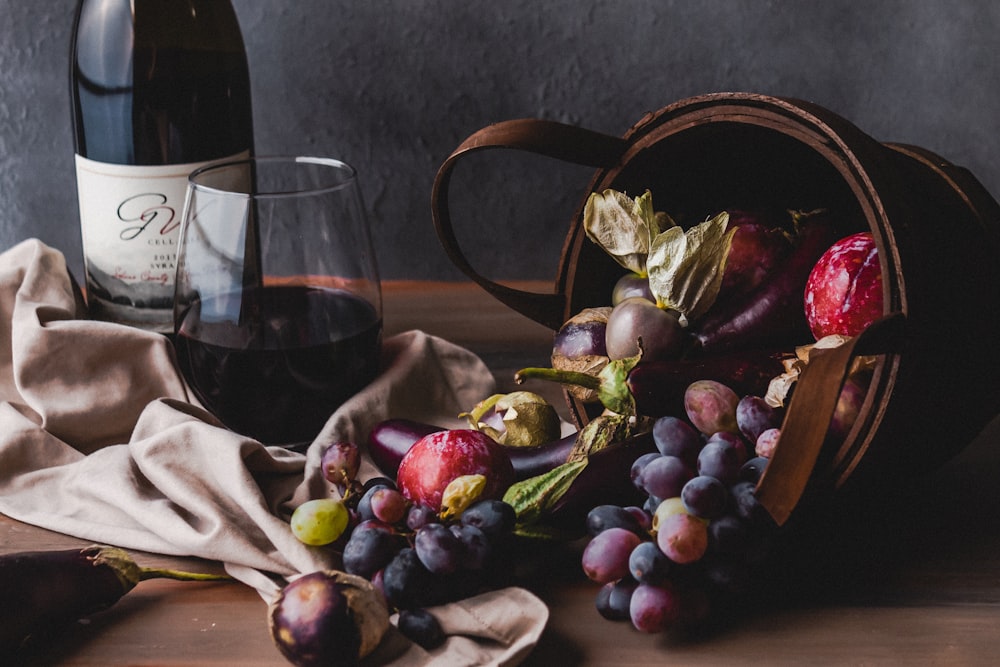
(577, 378)
(164, 573)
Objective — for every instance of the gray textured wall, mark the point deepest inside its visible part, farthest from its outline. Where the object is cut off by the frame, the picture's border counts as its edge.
(394, 85)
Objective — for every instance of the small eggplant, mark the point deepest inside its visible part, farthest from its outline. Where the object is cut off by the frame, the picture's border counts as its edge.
(41, 590)
(772, 314)
(327, 618)
(557, 502)
(389, 441)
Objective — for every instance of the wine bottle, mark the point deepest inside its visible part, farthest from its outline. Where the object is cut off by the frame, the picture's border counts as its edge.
(159, 88)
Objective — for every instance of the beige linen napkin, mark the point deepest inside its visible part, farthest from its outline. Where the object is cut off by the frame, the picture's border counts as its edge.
(100, 439)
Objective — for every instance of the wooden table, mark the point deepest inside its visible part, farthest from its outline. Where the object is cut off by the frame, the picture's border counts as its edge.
(915, 580)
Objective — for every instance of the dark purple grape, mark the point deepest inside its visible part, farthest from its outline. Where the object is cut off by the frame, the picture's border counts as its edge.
(675, 437)
(754, 416)
(378, 481)
(728, 535)
(722, 460)
(654, 608)
(421, 627)
(638, 318)
(652, 502)
(438, 548)
(665, 476)
(705, 497)
(635, 473)
(408, 584)
(752, 470)
(494, 517)
(605, 558)
(614, 598)
(745, 500)
(603, 517)
(477, 546)
(420, 515)
(369, 549)
(649, 565)
(734, 439)
(642, 517)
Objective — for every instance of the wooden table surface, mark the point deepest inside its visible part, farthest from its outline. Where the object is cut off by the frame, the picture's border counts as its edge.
(913, 579)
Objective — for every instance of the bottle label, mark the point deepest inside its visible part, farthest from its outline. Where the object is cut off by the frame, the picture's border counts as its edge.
(130, 219)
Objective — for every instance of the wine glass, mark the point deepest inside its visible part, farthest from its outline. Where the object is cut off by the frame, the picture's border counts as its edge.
(278, 304)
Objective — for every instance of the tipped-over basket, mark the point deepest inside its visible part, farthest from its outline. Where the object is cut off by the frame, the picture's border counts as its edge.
(938, 235)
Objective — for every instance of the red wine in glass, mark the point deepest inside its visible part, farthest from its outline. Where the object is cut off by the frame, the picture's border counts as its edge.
(280, 380)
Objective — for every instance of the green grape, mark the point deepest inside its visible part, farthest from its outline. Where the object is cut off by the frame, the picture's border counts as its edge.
(319, 522)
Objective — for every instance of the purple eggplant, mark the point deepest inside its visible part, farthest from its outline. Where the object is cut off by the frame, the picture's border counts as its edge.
(559, 501)
(772, 314)
(391, 439)
(327, 618)
(43, 590)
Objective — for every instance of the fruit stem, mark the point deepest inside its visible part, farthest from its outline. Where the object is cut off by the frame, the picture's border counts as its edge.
(164, 573)
(561, 376)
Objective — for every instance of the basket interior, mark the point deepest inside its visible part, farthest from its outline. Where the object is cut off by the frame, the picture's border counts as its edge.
(702, 169)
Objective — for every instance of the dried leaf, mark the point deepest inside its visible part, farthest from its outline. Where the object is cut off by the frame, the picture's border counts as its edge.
(686, 267)
(623, 227)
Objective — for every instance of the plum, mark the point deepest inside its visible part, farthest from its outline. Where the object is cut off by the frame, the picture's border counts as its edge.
(843, 294)
(438, 458)
(327, 618)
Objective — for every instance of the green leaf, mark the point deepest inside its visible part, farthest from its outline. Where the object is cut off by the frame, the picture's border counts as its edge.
(532, 497)
(623, 227)
(686, 268)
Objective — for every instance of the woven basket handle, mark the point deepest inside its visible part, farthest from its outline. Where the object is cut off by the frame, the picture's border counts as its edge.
(811, 410)
(542, 137)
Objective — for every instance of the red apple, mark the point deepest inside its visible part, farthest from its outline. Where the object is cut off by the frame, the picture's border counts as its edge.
(436, 459)
(844, 291)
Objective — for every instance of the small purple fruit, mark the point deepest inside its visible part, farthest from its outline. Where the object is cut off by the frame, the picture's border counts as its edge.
(327, 618)
(636, 319)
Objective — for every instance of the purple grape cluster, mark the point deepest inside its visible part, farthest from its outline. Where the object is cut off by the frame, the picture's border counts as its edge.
(701, 532)
(411, 554)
